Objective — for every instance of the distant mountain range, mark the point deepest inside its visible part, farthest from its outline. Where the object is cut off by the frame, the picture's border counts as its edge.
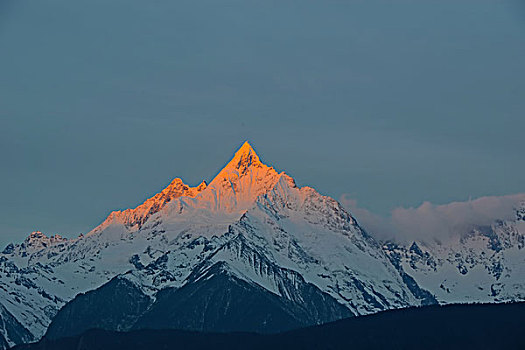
(249, 252)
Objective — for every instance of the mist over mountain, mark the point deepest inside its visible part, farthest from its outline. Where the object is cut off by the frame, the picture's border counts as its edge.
(430, 222)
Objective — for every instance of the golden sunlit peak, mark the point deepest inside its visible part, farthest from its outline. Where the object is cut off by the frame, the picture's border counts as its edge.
(244, 157)
(245, 149)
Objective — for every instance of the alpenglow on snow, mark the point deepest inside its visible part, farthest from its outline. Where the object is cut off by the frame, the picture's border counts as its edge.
(250, 251)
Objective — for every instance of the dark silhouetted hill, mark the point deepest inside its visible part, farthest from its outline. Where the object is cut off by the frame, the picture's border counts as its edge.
(487, 326)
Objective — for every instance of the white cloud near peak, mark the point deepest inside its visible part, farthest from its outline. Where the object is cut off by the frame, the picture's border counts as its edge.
(430, 221)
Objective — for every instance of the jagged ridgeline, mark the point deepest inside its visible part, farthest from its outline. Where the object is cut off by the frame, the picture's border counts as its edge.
(250, 251)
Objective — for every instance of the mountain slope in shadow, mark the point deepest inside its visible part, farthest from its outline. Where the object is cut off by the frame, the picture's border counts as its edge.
(215, 301)
(487, 326)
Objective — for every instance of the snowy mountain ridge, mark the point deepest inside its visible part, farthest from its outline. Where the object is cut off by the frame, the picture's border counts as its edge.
(484, 264)
(251, 224)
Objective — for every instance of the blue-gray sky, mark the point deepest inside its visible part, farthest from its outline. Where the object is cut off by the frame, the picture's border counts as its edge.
(103, 102)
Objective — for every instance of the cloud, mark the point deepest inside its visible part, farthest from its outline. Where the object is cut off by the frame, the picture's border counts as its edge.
(435, 222)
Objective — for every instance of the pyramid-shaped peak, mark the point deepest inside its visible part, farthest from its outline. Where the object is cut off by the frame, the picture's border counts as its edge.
(245, 148)
(244, 158)
(245, 151)
(237, 186)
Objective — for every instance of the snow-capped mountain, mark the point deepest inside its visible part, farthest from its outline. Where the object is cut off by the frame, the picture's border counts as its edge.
(252, 220)
(484, 264)
(209, 250)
